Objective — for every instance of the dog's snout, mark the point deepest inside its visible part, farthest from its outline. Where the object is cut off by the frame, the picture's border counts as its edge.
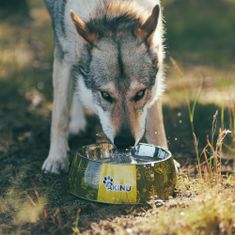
(123, 141)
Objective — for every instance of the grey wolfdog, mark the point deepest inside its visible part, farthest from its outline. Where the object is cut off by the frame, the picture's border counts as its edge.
(115, 50)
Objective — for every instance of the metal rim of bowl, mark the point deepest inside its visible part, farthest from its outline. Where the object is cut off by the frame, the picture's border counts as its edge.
(115, 163)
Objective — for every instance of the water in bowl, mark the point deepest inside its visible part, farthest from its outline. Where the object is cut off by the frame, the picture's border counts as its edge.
(139, 154)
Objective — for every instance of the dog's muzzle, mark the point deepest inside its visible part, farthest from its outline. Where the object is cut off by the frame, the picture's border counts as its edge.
(124, 140)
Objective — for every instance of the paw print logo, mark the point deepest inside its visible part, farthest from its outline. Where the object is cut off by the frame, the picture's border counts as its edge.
(108, 181)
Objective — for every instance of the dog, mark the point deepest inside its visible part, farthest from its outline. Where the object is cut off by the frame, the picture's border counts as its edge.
(114, 49)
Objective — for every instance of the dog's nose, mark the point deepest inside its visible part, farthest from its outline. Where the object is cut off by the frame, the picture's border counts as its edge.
(124, 141)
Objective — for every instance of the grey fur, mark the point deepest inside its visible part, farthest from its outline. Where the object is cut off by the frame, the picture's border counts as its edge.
(56, 9)
(114, 49)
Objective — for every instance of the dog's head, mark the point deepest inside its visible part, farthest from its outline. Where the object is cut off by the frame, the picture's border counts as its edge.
(119, 66)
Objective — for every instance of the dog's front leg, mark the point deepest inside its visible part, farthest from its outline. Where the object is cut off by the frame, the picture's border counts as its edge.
(155, 131)
(57, 159)
(77, 116)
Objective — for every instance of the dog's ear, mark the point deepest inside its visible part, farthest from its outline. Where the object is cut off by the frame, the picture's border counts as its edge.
(149, 26)
(82, 29)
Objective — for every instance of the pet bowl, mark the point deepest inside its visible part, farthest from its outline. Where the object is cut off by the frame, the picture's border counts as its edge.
(100, 173)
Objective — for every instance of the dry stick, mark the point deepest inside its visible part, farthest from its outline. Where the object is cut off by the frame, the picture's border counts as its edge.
(206, 159)
(213, 126)
(75, 224)
(215, 156)
(211, 144)
(220, 141)
(45, 214)
(231, 127)
(31, 201)
(37, 194)
(219, 146)
(222, 127)
(232, 121)
(195, 141)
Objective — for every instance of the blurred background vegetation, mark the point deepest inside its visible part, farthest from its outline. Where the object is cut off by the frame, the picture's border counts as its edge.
(201, 32)
(200, 65)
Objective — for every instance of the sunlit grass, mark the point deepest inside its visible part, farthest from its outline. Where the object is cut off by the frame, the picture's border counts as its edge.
(30, 211)
(210, 213)
(202, 211)
(18, 205)
(216, 85)
(213, 150)
(21, 207)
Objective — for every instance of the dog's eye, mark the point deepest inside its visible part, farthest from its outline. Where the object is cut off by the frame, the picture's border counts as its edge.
(139, 95)
(106, 96)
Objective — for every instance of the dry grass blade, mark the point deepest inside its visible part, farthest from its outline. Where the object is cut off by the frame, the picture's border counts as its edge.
(195, 141)
(208, 167)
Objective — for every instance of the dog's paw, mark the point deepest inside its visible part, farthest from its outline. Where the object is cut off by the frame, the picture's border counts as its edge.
(76, 126)
(177, 166)
(55, 165)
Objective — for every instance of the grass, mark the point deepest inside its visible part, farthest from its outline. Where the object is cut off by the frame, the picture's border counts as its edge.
(199, 108)
(212, 151)
(210, 212)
